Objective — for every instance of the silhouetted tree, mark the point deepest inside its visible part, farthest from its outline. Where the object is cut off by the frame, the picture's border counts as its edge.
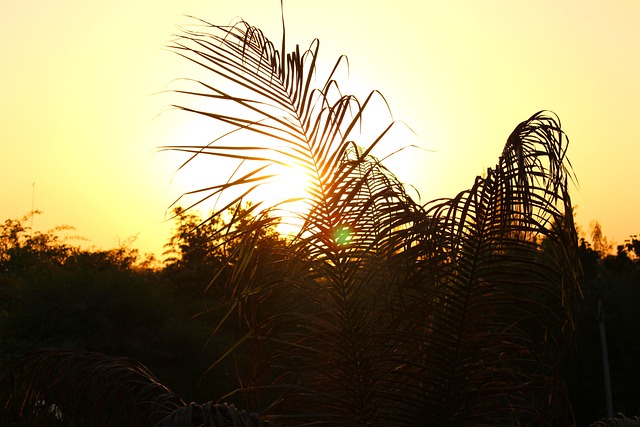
(54, 293)
(389, 312)
(613, 281)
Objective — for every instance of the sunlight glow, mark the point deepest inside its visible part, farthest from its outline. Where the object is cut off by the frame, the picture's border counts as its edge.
(288, 192)
(290, 183)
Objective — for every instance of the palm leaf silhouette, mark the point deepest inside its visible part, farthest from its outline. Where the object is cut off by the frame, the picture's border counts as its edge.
(70, 386)
(496, 302)
(452, 313)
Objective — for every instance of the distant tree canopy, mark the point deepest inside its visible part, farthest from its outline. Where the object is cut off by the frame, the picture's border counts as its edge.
(53, 292)
(613, 280)
(193, 245)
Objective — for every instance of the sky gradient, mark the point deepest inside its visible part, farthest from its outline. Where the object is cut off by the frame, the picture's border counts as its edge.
(83, 111)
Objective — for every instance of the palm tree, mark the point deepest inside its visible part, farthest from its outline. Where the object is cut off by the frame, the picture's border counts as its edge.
(390, 312)
(380, 310)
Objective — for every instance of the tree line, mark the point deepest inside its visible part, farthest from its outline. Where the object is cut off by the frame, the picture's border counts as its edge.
(55, 293)
(611, 281)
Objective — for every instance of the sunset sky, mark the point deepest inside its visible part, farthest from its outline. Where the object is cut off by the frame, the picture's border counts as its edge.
(82, 108)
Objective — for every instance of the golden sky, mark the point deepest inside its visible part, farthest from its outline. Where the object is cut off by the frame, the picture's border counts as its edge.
(81, 114)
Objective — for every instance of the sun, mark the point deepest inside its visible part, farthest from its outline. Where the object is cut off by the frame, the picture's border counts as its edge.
(289, 183)
(287, 192)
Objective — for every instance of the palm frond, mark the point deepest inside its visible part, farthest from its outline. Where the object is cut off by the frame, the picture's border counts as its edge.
(274, 114)
(85, 388)
(355, 206)
(211, 414)
(382, 310)
(82, 388)
(496, 296)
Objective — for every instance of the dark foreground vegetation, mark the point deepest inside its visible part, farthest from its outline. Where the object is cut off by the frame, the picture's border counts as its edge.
(466, 311)
(63, 309)
(55, 294)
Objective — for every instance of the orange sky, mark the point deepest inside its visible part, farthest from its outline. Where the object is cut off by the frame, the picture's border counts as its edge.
(81, 118)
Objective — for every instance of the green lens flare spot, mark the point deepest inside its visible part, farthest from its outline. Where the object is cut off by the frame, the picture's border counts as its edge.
(342, 235)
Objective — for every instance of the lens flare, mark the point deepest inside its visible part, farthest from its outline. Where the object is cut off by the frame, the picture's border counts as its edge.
(342, 235)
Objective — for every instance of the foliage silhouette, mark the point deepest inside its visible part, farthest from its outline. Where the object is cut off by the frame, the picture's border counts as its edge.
(613, 281)
(453, 313)
(53, 293)
(98, 390)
